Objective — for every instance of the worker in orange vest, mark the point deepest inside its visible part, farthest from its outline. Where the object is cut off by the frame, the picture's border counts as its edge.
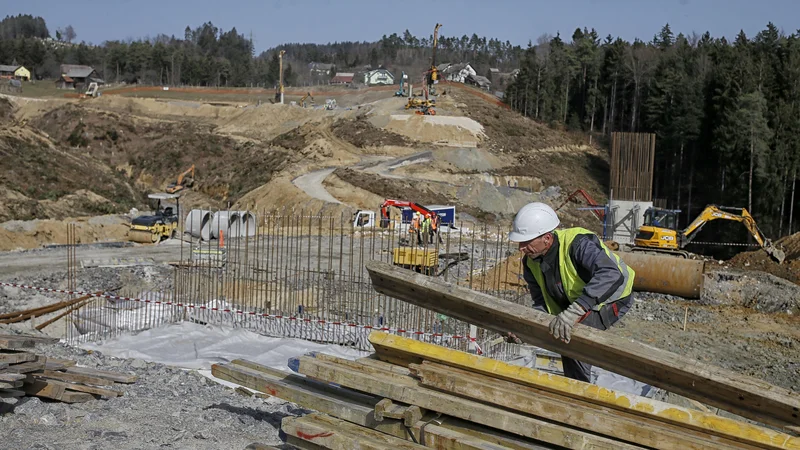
(414, 228)
(435, 223)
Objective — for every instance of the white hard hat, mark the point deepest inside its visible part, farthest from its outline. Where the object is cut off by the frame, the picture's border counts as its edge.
(532, 221)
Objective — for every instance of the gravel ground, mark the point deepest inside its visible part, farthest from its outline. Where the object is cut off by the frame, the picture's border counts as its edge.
(167, 407)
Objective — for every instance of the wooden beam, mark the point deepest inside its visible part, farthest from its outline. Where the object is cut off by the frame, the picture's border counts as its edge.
(336, 434)
(30, 366)
(14, 357)
(10, 393)
(725, 389)
(615, 424)
(113, 376)
(345, 405)
(404, 349)
(75, 378)
(378, 384)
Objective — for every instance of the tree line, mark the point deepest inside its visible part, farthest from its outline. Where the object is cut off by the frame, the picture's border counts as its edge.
(208, 56)
(726, 114)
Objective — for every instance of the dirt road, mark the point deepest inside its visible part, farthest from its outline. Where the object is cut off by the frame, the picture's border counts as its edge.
(311, 184)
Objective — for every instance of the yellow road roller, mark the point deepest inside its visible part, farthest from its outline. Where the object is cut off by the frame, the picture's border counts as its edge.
(158, 227)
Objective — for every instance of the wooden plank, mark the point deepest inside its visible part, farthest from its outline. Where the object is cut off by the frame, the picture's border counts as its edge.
(108, 393)
(50, 365)
(615, 424)
(63, 362)
(385, 409)
(486, 434)
(725, 389)
(113, 376)
(295, 389)
(10, 393)
(45, 389)
(30, 366)
(13, 357)
(75, 378)
(378, 364)
(404, 349)
(76, 397)
(13, 343)
(3, 365)
(12, 377)
(381, 385)
(337, 403)
(11, 384)
(335, 434)
(36, 339)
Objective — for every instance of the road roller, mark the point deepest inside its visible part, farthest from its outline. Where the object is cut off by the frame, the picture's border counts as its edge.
(159, 226)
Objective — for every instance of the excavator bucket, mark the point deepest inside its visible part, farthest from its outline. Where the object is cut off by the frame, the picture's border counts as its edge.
(776, 253)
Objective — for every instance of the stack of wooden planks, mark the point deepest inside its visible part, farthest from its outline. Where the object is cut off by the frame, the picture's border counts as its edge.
(23, 372)
(410, 394)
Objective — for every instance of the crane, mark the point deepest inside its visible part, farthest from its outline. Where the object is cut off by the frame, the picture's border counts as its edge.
(433, 73)
(659, 232)
(402, 204)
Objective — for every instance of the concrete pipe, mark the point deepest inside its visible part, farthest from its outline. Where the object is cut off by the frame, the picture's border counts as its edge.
(227, 222)
(198, 223)
(247, 221)
(666, 274)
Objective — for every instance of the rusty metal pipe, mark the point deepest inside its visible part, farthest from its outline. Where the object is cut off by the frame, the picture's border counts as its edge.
(666, 274)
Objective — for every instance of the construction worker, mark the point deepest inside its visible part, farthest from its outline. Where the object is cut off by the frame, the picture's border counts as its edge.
(571, 275)
(414, 228)
(426, 228)
(436, 222)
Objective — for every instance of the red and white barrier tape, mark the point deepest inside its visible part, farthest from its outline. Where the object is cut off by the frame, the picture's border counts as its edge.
(244, 313)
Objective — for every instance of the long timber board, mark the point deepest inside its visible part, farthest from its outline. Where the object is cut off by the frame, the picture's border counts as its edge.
(739, 394)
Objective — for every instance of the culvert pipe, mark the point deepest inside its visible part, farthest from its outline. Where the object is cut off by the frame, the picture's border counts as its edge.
(666, 274)
(227, 222)
(198, 223)
(247, 223)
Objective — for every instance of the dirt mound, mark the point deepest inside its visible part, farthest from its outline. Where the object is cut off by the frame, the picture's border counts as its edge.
(759, 260)
(6, 108)
(37, 176)
(363, 134)
(154, 152)
(790, 245)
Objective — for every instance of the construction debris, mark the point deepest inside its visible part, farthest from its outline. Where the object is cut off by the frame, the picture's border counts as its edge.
(447, 399)
(24, 373)
(730, 391)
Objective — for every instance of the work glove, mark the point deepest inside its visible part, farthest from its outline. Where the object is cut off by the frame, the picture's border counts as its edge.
(561, 325)
(512, 338)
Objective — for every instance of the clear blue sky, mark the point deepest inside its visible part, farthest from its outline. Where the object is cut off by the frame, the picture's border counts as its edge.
(273, 22)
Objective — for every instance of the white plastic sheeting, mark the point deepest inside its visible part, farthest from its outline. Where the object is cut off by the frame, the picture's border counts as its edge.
(198, 223)
(195, 346)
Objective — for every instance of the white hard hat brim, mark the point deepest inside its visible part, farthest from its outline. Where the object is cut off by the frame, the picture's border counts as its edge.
(520, 237)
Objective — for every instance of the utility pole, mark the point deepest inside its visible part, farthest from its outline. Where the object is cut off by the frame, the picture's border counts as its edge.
(280, 69)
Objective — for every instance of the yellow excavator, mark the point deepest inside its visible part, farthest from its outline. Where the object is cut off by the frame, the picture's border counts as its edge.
(302, 101)
(182, 182)
(660, 232)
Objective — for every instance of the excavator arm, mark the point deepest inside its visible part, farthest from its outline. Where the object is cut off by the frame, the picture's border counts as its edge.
(713, 212)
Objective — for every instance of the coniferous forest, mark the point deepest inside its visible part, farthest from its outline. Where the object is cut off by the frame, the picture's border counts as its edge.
(726, 112)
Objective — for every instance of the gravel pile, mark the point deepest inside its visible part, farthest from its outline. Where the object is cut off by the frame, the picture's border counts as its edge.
(166, 407)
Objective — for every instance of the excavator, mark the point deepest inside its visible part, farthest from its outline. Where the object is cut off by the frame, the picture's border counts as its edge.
(182, 182)
(302, 101)
(401, 92)
(660, 232)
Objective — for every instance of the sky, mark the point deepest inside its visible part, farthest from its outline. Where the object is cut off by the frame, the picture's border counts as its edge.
(273, 22)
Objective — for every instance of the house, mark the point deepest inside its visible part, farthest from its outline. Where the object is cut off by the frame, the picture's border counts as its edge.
(343, 78)
(494, 71)
(478, 80)
(458, 72)
(378, 77)
(77, 77)
(319, 69)
(22, 73)
(15, 71)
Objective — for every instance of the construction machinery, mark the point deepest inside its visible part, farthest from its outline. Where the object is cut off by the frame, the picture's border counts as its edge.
(302, 101)
(92, 91)
(401, 92)
(433, 73)
(417, 102)
(184, 180)
(660, 233)
(163, 224)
